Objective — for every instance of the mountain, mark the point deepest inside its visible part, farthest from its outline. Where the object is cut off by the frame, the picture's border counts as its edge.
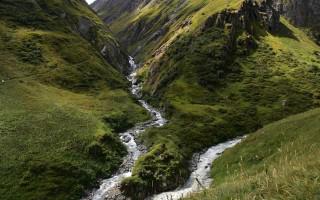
(63, 97)
(218, 69)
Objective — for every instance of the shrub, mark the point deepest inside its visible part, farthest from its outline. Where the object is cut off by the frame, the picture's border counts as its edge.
(95, 150)
(30, 52)
(119, 122)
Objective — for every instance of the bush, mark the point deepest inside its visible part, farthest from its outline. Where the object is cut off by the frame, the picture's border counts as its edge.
(30, 52)
(95, 150)
(119, 122)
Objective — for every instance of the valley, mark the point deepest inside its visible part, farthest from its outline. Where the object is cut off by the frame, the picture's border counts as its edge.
(220, 99)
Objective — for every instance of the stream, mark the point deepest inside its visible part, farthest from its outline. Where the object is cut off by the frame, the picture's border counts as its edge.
(109, 188)
(198, 180)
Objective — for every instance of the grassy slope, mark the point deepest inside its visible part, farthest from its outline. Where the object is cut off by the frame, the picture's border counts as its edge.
(277, 162)
(57, 96)
(204, 109)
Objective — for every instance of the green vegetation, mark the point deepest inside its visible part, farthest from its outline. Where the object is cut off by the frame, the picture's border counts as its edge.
(58, 97)
(277, 162)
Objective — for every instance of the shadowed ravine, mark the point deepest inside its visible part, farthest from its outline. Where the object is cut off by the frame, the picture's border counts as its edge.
(199, 179)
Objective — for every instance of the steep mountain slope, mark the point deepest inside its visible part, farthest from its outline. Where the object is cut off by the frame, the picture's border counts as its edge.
(62, 98)
(218, 69)
(276, 162)
(143, 26)
(112, 9)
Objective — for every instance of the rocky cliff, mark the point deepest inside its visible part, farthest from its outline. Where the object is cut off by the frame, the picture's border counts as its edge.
(250, 15)
(303, 13)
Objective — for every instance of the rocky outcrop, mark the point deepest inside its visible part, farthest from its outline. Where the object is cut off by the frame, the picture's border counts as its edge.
(303, 13)
(250, 14)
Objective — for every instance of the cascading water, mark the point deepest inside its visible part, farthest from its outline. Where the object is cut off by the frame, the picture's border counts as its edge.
(199, 179)
(109, 188)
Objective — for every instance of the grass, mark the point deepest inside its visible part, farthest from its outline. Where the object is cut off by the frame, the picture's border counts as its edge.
(276, 162)
(61, 102)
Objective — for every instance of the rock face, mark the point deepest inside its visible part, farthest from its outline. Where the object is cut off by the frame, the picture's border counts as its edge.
(115, 7)
(246, 16)
(303, 13)
(300, 12)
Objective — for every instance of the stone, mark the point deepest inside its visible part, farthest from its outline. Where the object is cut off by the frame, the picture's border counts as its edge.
(126, 139)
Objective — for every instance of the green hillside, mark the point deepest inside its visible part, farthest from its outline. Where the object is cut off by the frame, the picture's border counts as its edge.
(277, 162)
(62, 101)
